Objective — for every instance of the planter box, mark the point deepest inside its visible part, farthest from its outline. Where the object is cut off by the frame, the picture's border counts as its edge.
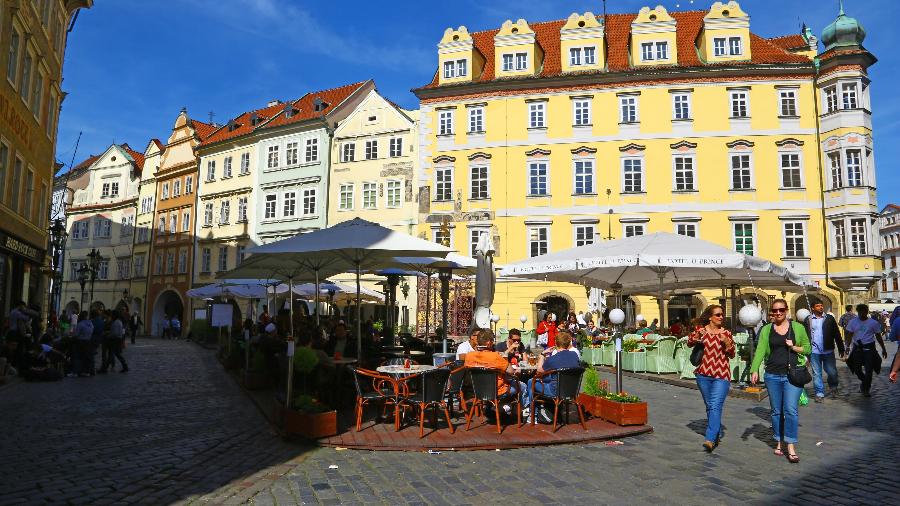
(308, 425)
(591, 404)
(623, 413)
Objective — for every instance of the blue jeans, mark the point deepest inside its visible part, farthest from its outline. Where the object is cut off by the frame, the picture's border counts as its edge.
(828, 362)
(784, 399)
(714, 391)
(539, 387)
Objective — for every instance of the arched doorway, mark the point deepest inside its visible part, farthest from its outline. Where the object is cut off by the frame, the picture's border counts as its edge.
(556, 305)
(684, 308)
(168, 303)
(800, 302)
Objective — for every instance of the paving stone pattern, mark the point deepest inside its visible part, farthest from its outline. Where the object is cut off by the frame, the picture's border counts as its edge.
(177, 429)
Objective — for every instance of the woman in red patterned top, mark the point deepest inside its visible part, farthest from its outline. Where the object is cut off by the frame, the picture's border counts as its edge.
(713, 374)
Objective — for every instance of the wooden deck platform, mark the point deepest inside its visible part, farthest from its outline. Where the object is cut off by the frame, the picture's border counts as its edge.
(482, 436)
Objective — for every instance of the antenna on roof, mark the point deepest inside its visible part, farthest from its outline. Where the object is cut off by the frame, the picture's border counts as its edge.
(211, 116)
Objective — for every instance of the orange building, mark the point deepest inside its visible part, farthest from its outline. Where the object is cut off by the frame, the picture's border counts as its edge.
(173, 238)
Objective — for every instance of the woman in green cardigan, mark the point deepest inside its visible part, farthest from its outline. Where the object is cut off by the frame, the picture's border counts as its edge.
(779, 343)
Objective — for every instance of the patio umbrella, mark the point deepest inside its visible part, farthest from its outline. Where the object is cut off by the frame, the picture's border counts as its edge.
(485, 280)
(357, 244)
(641, 263)
(241, 288)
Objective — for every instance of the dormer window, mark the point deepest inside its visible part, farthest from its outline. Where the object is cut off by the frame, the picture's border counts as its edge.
(521, 61)
(319, 105)
(254, 119)
(654, 51)
(735, 46)
(732, 46)
(458, 68)
(288, 110)
(582, 56)
(232, 126)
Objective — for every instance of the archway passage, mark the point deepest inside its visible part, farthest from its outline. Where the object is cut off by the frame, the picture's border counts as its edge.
(801, 302)
(168, 304)
(556, 305)
(683, 308)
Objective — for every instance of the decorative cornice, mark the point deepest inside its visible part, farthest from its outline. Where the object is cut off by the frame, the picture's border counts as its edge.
(740, 142)
(538, 152)
(630, 146)
(789, 141)
(443, 158)
(683, 144)
(581, 150)
(479, 154)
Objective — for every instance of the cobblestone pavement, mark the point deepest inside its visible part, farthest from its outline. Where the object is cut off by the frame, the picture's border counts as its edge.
(176, 429)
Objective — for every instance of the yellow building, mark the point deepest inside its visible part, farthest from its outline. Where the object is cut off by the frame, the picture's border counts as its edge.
(144, 222)
(373, 172)
(556, 134)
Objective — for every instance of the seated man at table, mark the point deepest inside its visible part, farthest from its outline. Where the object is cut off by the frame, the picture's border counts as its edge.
(484, 356)
(563, 358)
(467, 346)
(512, 347)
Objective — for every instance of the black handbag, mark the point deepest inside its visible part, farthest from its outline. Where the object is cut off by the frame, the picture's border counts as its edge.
(797, 376)
(697, 354)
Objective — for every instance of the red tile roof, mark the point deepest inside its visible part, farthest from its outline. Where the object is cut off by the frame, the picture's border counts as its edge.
(273, 116)
(618, 35)
(203, 130)
(137, 157)
(87, 162)
(789, 42)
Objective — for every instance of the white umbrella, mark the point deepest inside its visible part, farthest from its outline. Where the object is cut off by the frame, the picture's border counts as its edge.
(356, 243)
(640, 263)
(341, 291)
(241, 288)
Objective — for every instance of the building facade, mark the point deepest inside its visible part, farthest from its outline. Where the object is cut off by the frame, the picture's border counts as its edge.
(558, 134)
(889, 230)
(171, 257)
(101, 219)
(143, 230)
(374, 159)
(33, 38)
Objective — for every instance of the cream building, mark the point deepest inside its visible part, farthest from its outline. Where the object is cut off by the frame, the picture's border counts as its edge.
(102, 218)
(373, 176)
(146, 206)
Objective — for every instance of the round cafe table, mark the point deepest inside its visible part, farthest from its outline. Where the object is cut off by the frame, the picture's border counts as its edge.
(399, 369)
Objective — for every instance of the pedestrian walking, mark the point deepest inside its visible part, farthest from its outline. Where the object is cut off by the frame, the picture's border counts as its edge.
(175, 327)
(863, 360)
(895, 367)
(825, 336)
(780, 343)
(134, 324)
(115, 342)
(845, 319)
(83, 357)
(714, 373)
(166, 327)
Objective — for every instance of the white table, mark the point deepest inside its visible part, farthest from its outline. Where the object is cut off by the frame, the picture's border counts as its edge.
(399, 369)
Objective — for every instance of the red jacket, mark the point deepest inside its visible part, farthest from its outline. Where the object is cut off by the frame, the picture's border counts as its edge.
(550, 329)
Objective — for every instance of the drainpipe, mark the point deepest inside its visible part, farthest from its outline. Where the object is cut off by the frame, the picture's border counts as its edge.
(828, 282)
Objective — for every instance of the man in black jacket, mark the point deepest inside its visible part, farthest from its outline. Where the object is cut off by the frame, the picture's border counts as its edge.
(824, 335)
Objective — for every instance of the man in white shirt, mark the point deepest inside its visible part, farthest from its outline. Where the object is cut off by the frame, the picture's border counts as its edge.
(467, 346)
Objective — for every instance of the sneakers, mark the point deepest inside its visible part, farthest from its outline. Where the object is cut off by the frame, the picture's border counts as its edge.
(819, 399)
(526, 413)
(507, 409)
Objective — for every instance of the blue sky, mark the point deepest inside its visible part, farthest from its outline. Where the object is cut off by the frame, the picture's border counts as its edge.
(131, 65)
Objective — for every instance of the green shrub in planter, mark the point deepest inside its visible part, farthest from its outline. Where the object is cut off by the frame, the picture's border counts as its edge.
(305, 360)
(201, 332)
(591, 381)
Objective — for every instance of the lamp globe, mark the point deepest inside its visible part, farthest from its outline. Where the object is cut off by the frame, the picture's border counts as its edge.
(750, 315)
(617, 316)
(802, 315)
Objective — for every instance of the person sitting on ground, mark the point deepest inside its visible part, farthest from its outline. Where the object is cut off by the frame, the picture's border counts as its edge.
(468, 346)
(563, 358)
(643, 328)
(512, 347)
(484, 356)
(37, 366)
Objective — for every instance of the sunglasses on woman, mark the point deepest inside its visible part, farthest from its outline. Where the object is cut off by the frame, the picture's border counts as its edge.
(779, 309)
(718, 315)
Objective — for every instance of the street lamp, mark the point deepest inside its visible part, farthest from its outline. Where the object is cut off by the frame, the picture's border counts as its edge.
(58, 237)
(83, 273)
(616, 317)
(94, 259)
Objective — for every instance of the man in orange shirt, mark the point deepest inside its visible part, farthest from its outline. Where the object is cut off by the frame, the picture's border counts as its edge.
(485, 356)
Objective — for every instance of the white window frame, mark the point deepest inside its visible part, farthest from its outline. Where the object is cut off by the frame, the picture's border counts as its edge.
(176, 188)
(735, 46)
(225, 212)
(371, 149)
(445, 122)
(311, 150)
(210, 170)
(584, 234)
(270, 206)
(574, 56)
(749, 169)
(537, 114)
(273, 156)
(310, 201)
(739, 103)
(476, 119)
(208, 214)
(242, 209)
(521, 61)
(345, 197)
(370, 195)
(628, 109)
(787, 103)
(507, 62)
(288, 204)
(462, 67)
(687, 172)
(182, 261)
(581, 112)
(245, 164)
(348, 151)
(720, 46)
(531, 241)
(849, 96)
(537, 181)
(226, 167)
(830, 97)
(474, 237)
(630, 160)
(686, 106)
(393, 193)
(449, 69)
(590, 55)
(687, 228)
(206, 260)
(222, 263)
(479, 182)
(647, 52)
(291, 153)
(836, 170)
(839, 237)
(798, 169)
(395, 147)
(443, 184)
(633, 229)
(188, 185)
(785, 225)
(661, 50)
(851, 178)
(435, 236)
(186, 220)
(165, 190)
(859, 244)
(584, 176)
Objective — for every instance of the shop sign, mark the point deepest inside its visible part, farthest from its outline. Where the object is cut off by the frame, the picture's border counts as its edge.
(21, 248)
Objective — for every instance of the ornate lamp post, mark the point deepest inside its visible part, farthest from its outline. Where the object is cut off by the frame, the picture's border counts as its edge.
(83, 274)
(58, 237)
(94, 259)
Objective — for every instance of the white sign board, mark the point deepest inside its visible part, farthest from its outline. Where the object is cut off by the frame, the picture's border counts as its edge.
(221, 315)
(200, 314)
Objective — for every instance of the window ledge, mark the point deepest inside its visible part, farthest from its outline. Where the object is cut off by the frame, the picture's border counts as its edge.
(538, 196)
(450, 134)
(476, 132)
(788, 116)
(584, 194)
(741, 190)
(437, 201)
(243, 174)
(633, 193)
(621, 123)
(682, 120)
(685, 191)
(793, 188)
(739, 117)
(584, 125)
(537, 129)
(475, 199)
(845, 187)
(783, 259)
